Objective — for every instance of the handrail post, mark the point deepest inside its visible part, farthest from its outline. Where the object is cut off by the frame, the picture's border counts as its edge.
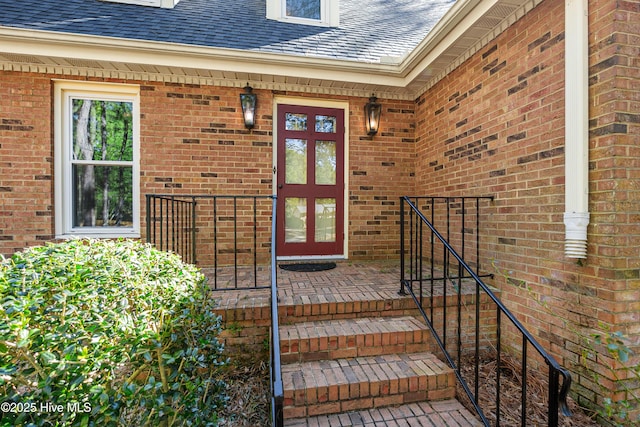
(235, 241)
(402, 250)
(277, 388)
(148, 217)
(554, 379)
(255, 241)
(477, 235)
(194, 252)
(174, 225)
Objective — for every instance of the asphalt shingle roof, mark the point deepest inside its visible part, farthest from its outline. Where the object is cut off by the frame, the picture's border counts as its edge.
(369, 29)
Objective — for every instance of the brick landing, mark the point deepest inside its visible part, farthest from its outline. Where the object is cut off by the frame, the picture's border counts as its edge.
(348, 282)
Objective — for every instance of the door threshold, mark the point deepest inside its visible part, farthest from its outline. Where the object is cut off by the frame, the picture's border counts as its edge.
(310, 258)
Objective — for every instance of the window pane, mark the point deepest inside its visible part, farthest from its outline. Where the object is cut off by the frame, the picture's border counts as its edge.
(309, 9)
(325, 220)
(102, 130)
(325, 162)
(326, 124)
(295, 161)
(295, 220)
(295, 121)
(102, 196)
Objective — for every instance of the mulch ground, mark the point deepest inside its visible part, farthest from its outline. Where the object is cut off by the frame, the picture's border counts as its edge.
(249, 392)
(510, 393)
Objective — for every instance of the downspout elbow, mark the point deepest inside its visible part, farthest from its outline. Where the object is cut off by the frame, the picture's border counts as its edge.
(575, 244)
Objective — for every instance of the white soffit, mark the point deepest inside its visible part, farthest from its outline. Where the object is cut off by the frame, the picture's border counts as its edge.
(467, 27)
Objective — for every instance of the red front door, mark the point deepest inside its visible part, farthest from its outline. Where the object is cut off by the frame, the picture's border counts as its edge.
(310, 181)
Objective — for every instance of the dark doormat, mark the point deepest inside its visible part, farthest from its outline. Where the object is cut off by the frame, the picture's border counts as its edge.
(308, 267)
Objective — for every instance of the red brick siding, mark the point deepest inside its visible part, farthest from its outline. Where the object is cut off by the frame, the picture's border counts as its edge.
(381, 169)
(194, 142)
(496, 125)
(26, 168)
(615, 176)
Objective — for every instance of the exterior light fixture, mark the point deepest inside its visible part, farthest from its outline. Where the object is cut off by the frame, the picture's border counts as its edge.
(248, 100)
(372, 112)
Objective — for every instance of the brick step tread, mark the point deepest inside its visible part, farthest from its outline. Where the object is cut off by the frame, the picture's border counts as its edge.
(257, 308)
(437, 413)
(324, 307)
(343, 338)
(331, 386)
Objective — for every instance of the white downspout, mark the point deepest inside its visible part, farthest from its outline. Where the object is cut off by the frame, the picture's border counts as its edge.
(576, 215)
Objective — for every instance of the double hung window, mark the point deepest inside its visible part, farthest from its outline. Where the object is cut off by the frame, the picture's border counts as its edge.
(96, 159)
(304, 9)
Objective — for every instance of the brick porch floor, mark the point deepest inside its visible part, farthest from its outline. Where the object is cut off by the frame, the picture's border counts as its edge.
(348, 282)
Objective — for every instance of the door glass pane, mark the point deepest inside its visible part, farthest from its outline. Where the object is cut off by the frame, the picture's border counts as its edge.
(325, 162)
(325, 220)
(102, 196)
(295, 161)
(295, 219)
(326, 124)
(102, 130)
(309, 9)
(295, 121)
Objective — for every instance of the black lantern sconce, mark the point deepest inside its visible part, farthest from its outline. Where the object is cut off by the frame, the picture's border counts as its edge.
(248, 100)
(372, 112)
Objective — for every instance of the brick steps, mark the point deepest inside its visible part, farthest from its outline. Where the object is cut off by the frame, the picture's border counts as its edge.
(332, 386)
(359, 358)
(439, 413)
(344, 338)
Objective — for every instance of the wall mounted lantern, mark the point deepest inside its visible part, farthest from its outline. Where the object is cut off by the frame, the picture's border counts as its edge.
(248, 100)
(372, 112)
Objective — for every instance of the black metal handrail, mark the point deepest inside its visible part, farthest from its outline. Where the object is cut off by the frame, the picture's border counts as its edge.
(277, 389)
(171, 224)
(447, 273)
(227, 235)
(177, 223)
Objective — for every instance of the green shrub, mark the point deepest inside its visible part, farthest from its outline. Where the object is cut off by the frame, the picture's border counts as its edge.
(106, 333)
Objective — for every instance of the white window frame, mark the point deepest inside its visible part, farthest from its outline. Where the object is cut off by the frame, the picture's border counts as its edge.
(167, 4)
(329, 13)
(64, 92)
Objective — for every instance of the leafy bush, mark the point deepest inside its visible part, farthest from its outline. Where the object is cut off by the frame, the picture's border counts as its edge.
(106, 333)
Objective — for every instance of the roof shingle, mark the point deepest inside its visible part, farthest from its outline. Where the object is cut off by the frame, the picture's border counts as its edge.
(369, 29)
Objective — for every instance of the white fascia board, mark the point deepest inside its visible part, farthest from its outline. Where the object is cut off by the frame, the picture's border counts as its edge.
(452, 26)
(459, 19)
(66, 45)
(447, 30)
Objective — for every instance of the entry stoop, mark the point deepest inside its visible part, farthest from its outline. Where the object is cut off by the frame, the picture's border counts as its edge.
(363, 361)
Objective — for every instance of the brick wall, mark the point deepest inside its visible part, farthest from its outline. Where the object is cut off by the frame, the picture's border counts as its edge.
(495, 126)
(381, 169)
(26, 168)
(194, 142)
(615, 184)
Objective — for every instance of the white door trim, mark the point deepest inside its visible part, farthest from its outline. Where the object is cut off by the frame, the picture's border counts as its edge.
(326, 103)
